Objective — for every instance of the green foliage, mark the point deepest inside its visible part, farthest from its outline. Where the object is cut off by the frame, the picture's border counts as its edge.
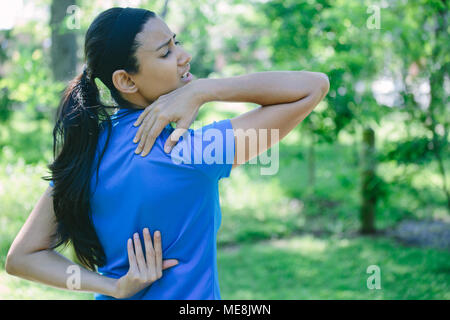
(5, 105)
(5, 100)
(30, 85)
(416, 150)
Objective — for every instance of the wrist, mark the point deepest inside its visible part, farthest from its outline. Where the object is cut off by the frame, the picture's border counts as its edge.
(110, 287)
(202, 91)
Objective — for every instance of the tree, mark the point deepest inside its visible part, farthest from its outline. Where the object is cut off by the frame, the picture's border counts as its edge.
(64, 45)
(422, 56)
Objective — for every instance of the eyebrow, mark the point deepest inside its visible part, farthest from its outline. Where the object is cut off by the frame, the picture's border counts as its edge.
(165, 44)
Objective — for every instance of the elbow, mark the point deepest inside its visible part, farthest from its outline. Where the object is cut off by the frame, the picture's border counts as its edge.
(11, 264)
(14, 262)
(324, 83)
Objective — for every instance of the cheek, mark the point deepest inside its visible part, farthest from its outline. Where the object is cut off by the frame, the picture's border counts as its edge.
(163, 70)
(159, 77)
(169, 69)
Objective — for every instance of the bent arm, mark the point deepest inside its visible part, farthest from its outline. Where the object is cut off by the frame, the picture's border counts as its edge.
(30, 257)
(286, 99)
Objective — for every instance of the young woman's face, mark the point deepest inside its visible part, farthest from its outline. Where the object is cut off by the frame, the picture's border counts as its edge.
(162, 61)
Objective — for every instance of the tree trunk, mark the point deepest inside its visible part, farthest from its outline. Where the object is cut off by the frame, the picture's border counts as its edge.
(368, 192)
(438, 99)
(64, 44)
(311, 162)
(165, 9)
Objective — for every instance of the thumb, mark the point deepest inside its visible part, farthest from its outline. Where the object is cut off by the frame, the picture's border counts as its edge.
(169, 263)
(173, 139)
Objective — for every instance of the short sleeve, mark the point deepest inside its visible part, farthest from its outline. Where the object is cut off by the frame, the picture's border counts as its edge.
(209, 149)
(52, 184)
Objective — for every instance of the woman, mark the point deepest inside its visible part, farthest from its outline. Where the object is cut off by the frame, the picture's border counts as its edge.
(103, 190)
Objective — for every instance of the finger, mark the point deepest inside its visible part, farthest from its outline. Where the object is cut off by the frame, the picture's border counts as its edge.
(131, 256)
(143, 115)
(149, 254)
(154, 133)
(158, 254)
(169, 263)
(139, 254)
(145, 129)
(174, 138)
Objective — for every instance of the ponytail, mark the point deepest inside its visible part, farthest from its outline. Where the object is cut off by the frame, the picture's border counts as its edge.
(80, 117)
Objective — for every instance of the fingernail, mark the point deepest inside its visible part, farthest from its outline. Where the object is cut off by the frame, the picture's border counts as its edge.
(136, 235)
(166, 149)
(134, 140)
(158, 234)
(146, 230)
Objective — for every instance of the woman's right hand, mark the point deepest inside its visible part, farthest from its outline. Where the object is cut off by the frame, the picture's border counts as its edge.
(180, 105)
(143, 271)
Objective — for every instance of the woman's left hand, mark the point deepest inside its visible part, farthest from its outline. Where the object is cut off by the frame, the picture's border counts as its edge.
(143, 270)
(180, 106)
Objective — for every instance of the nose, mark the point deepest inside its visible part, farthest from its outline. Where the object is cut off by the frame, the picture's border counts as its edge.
(185, 58)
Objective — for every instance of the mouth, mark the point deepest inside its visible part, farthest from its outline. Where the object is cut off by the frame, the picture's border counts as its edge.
(187, 76)
(186, 73)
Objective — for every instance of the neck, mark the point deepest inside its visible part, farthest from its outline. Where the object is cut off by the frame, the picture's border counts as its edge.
(137, 100)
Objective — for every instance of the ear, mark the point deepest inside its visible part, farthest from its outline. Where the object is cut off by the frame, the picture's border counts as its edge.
(123, 82)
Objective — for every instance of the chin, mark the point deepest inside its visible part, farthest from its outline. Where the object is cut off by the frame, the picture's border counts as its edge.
(182, 84)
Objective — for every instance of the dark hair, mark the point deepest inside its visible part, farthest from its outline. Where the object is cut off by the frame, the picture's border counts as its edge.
(80, 118)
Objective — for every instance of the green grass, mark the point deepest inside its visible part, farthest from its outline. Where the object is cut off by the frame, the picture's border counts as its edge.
(330, 268)
(305, 267)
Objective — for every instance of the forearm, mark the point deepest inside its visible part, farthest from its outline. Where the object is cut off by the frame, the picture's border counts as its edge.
(51, 268)
(264, 88)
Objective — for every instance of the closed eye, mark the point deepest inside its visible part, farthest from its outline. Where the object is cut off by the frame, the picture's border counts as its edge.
(168, 51)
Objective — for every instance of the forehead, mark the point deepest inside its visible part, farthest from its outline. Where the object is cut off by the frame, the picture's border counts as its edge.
(154, 33)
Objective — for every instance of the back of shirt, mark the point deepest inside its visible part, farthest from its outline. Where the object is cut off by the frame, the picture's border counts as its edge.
(176, 193)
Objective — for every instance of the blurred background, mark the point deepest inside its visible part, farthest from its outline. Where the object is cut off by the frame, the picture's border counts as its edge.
(363, 183)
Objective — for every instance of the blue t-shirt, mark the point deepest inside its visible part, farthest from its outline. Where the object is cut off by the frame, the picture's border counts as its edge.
(176, 193)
